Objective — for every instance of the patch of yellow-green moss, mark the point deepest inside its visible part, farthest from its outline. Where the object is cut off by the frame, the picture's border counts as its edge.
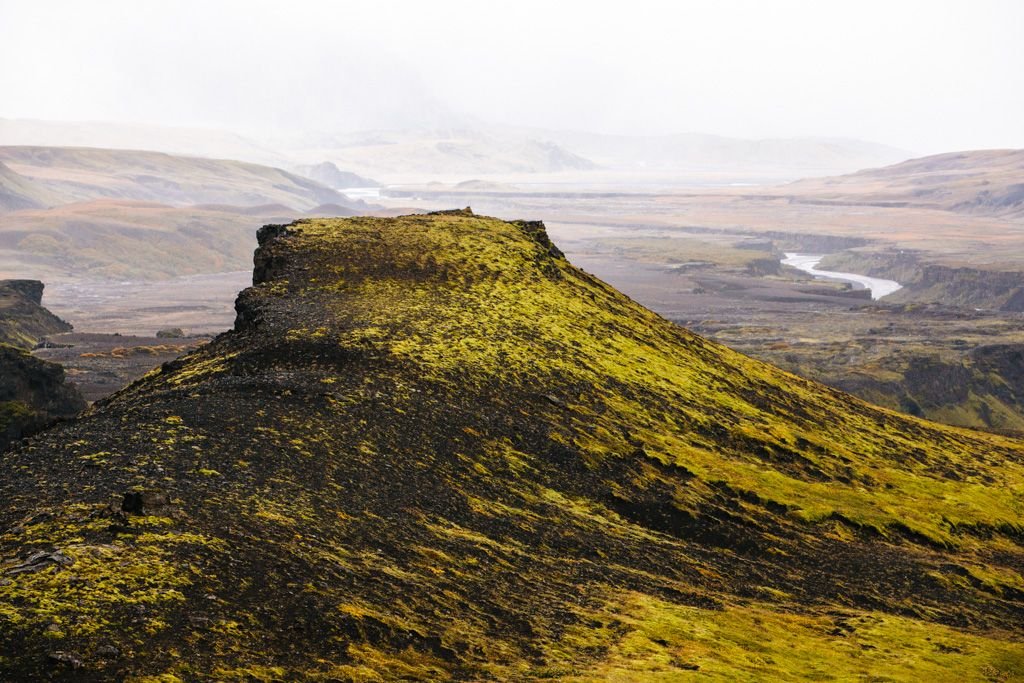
(658, 641)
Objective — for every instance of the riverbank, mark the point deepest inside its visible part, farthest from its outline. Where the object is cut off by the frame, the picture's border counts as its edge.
(808, 263)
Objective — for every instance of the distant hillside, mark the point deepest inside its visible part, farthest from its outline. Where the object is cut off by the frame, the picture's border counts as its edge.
(71, 174)
(119, 239)
(18, 192)
(432, 449)
(986, 182)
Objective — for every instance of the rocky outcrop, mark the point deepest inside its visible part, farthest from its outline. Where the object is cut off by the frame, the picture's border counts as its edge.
(969, 287)
(33, 395)
(23, 320)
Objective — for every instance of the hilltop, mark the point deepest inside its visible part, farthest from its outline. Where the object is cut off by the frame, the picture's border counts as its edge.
(431, 448)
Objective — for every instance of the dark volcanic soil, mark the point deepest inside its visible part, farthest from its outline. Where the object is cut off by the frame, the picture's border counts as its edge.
(100, 364)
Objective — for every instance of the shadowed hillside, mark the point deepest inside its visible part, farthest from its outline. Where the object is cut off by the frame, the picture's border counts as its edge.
(433, 449)
(32, 391)
(23, 320)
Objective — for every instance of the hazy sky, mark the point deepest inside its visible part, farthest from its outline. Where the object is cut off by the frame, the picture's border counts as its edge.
(926, 76)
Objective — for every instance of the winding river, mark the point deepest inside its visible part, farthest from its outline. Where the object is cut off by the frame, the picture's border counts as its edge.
(809, 262)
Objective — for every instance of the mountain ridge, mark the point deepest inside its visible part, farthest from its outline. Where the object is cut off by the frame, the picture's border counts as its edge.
(468, 148)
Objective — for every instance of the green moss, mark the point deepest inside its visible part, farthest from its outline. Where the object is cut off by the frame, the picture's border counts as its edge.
(105, 578)
(664, 642)
(504, 312)
(12, 412)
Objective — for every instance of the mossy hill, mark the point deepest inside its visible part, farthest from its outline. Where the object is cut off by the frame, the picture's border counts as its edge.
(432, 448)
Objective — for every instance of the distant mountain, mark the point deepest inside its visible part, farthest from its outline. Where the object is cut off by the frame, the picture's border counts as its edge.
(445, 152)
(494, 150)
(330, 175)
(72, 174)
(469, 149)
(987, 182)
(432, 449)
(712, 153)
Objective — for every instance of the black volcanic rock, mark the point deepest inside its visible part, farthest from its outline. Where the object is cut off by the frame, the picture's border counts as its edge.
(23, 320)
(432, 449)
(33, 394)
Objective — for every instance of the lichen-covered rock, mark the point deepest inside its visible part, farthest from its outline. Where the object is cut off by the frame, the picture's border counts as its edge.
(433, 449)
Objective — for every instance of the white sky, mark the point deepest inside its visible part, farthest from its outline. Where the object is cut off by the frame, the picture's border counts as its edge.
(924, 76)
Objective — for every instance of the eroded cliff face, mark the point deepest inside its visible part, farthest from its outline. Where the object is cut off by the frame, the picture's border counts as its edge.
(964, 287)
(23, 320)
(33, 392)
(433, 449)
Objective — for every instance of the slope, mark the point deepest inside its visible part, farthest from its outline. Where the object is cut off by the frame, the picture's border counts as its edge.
(984, 182)
(432, 448)
(18, 192)
(129, 239)
(80, 173)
